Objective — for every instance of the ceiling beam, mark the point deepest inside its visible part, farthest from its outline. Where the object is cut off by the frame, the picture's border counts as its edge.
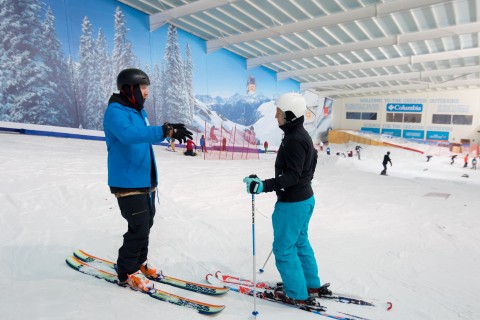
(369, 44)
(159, 19)
(321, 22)
(417, 75)
(410, 60)
(397, 89)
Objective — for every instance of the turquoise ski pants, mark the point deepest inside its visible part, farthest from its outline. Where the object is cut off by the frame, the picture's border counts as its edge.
(294, 256)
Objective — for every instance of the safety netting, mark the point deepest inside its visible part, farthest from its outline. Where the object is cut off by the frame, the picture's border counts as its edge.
(227, 143)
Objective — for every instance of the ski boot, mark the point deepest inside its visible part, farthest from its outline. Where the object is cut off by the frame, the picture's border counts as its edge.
(149, 270)
(139, 282)
(320, 292)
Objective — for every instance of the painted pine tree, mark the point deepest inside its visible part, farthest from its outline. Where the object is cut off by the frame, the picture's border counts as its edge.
(26, 96)
(90, 96)
(156, 90)
(58, 76)
(73, 69)
(148, 106)
(188, 74)
(122, 56)
(176, 109)
(163, 103)
(107, 79)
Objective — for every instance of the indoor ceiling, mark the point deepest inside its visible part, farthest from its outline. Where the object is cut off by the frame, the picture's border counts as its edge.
(340, 48)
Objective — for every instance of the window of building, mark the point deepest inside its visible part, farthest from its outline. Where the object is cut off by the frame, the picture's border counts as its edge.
(462, 119)
(442, 119)
(394, 117)
(412, 117)
(354, 115)
(369, 116)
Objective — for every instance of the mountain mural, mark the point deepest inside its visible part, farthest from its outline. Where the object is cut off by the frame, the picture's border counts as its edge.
(242, 109)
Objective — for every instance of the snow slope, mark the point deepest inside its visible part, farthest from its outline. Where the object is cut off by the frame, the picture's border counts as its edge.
(374, 236)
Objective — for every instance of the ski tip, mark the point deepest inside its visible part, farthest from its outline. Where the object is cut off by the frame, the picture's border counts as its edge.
(389, 306)
(208, 275)
(217, 273)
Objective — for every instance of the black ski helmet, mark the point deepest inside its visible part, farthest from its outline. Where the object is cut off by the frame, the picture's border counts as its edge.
(132, 77)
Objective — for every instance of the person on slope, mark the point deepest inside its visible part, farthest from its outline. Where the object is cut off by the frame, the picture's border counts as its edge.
(132, 172)
(357, 149)
(465, 161)
(453, 159)
(294, 168)
(202, 144)
(386, 160)
(190, 151)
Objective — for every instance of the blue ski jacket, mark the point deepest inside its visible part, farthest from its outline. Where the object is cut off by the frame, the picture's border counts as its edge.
(129, 141)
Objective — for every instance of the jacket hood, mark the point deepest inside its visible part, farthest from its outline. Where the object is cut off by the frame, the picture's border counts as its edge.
(124, 101)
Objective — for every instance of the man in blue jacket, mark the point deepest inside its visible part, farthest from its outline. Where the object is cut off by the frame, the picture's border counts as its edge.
(132, 172)
(294, 168)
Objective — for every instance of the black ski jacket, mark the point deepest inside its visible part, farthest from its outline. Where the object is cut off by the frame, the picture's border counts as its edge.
(294, 166)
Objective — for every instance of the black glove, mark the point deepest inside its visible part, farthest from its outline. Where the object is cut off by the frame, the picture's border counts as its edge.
(176, 131)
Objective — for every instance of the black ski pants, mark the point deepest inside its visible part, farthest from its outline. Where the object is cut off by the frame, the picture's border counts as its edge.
(139, 211)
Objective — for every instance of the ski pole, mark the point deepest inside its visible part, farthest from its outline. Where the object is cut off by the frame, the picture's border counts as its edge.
(255, 312)
(261, 269)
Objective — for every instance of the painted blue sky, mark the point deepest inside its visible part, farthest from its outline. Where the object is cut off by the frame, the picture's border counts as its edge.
(221, 73)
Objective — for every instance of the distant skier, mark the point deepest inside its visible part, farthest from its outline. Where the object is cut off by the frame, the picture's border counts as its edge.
(202, 143)
(171, 144)
(386, 160)
(474, 163)
(428, 158)
(465, 160)
(265, 146)
(453, 158)
(357, 149)
(328, 150)
(224, 144)
(190, 151)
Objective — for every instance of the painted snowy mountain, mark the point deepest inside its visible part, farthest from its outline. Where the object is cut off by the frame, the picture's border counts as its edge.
(204, 115)
(238, 108)
(266, 127)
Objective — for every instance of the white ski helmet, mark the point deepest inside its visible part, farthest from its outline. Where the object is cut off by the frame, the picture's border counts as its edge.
(293, 106)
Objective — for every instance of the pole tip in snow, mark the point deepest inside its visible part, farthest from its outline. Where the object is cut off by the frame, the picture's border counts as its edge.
(255, 313)
(261, 270)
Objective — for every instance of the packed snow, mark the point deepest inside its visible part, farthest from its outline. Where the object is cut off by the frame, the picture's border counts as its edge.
(410, 238)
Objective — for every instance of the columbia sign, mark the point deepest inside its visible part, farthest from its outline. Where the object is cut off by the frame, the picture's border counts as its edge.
(404, 107)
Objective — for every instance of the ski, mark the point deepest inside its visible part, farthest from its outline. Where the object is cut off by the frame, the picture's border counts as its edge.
(319, 310)
(179, 283)
(261, 286)
(201, 307)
